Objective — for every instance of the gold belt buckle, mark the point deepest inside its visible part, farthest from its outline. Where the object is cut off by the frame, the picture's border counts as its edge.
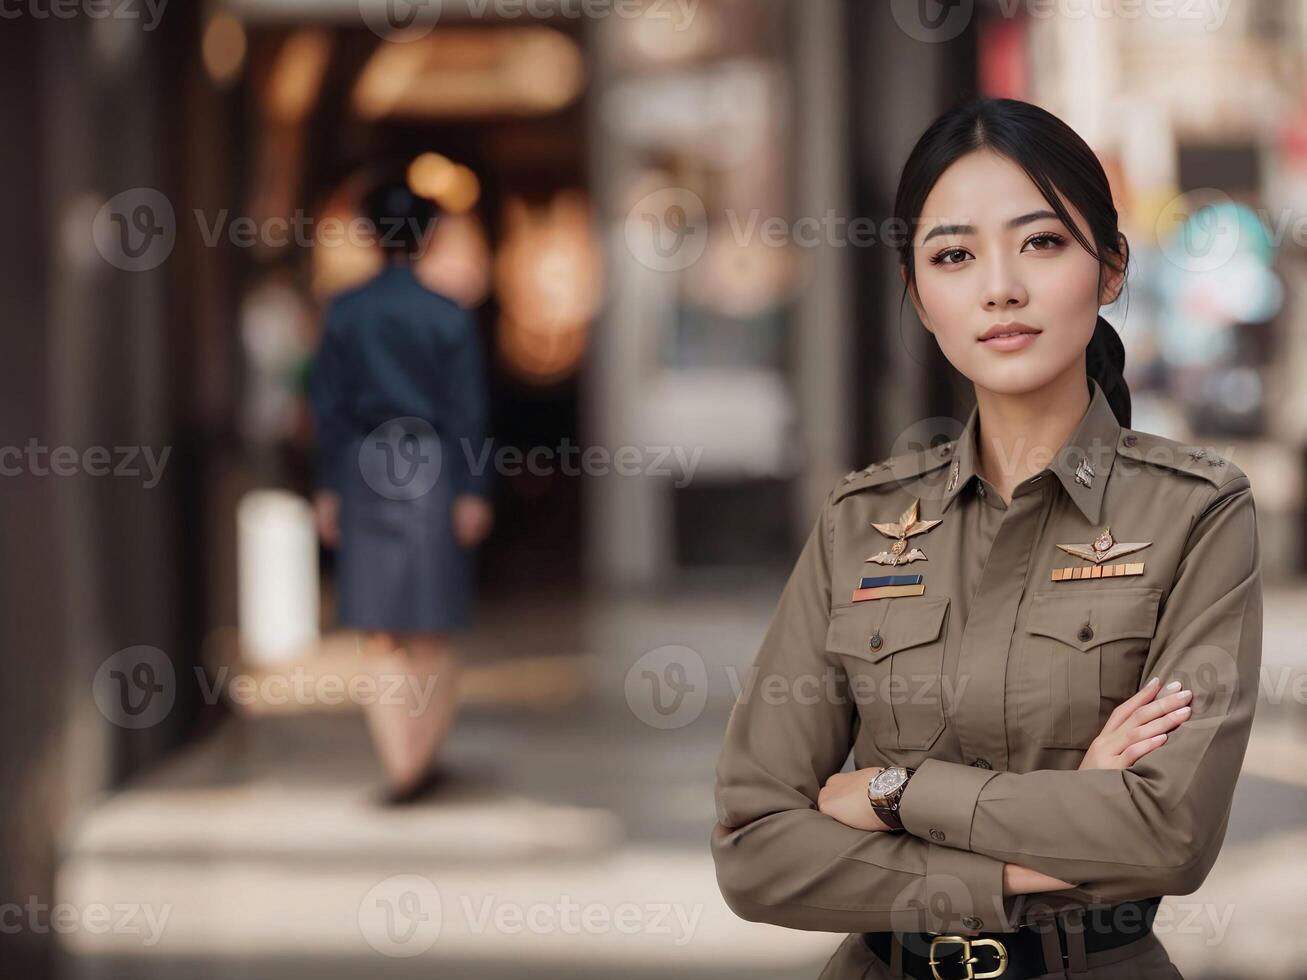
(968, 960)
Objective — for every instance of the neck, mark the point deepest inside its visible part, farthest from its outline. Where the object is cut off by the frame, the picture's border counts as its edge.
(1019, 435)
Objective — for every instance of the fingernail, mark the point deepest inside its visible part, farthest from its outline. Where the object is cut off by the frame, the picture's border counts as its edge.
(1186, 695)
(1152, 682)
(1173, 686)
(1182, 711)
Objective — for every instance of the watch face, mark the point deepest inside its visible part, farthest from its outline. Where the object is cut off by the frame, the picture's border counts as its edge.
(888, 780)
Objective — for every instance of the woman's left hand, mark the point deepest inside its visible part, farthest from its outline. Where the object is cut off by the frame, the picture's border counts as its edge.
(472, 519)
(326, 515)
(844, 797)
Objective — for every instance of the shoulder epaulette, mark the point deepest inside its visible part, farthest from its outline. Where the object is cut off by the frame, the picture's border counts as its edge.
(904, 466)
(1195, 461)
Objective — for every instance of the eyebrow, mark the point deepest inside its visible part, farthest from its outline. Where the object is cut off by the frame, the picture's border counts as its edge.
(1016, 222)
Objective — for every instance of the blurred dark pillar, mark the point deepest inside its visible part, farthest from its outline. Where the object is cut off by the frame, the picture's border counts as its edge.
(905, 68)
(91, 564)
(32, 633)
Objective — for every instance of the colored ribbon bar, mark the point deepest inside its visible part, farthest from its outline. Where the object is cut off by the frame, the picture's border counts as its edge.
(1097, 571)
(888, 586)
(876, 581)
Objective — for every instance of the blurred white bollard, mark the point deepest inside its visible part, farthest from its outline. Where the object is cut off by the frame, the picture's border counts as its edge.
(277, 569)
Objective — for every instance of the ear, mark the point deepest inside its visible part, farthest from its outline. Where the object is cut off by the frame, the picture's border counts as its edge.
(916, 300)
(1114, 281)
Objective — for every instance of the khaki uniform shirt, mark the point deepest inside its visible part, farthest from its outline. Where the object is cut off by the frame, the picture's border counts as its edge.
(993, 683)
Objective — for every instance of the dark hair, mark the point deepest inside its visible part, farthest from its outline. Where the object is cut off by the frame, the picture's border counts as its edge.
(1054, 157)
(399, 218)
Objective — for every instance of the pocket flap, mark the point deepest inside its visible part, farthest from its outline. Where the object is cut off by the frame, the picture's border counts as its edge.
(1110, 614)
(901, 622)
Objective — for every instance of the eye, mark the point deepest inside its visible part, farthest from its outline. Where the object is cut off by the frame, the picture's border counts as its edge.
(1050, 240)
(947, 256)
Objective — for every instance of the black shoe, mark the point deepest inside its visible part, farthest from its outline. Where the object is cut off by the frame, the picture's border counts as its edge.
(425, 785)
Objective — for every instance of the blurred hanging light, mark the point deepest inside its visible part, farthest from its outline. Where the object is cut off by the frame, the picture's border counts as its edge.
(548, 282)
(463, 193)
(451, 185)
(431, 175)
(223, 47)
(461, 72)
(545, 68)
(296, 76)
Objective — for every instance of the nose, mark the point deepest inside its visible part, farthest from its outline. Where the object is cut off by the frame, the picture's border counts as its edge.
(1003, 289)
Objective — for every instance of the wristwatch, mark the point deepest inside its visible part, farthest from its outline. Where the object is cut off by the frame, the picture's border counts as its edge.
(885, 790)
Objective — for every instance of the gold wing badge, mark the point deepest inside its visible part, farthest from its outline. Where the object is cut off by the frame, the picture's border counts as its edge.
(907, 526)
(1102, 549)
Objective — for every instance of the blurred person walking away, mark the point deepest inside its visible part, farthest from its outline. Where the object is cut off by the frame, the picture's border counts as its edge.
(399, 399)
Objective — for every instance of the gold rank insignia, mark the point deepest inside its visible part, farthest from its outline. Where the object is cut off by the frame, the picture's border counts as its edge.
(1102, 549)
(907, 526)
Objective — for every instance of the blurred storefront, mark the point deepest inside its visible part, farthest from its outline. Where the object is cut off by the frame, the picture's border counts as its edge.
(551, 140)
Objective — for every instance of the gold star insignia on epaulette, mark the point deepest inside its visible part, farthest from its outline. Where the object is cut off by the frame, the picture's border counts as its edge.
(907, 526)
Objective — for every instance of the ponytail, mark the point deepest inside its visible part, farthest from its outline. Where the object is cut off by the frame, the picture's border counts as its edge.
(1105, 363)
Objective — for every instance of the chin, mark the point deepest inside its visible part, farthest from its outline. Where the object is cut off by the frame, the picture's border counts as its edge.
(1013, 379)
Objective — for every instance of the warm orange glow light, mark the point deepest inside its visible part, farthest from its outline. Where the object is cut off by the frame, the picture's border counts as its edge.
(223, 47)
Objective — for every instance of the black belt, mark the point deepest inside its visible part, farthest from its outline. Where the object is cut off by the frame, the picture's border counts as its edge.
(1019, 954)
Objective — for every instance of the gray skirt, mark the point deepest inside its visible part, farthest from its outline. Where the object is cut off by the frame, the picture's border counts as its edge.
(399, 567)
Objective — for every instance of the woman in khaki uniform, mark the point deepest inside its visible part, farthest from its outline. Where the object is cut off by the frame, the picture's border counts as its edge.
(1041, 641)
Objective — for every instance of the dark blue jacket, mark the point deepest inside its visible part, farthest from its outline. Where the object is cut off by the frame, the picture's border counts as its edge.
(392, 348)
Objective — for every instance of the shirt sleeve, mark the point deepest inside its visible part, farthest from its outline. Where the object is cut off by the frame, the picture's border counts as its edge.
(778, 858)
(471, 468)
(1156, 827)
(328, 390)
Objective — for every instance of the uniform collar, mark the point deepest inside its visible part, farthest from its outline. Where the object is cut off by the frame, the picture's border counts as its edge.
(1082, 465)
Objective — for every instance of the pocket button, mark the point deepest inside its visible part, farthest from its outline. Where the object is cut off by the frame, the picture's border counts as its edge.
(1086, 634)
(876, 642)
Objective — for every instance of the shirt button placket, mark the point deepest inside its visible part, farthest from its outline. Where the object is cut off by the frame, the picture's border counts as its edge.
(987, 636)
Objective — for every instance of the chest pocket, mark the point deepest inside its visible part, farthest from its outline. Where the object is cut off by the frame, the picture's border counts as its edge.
(893, 653)
(1080, 655)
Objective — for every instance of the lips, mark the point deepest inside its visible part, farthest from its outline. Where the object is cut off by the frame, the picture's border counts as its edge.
(1001, 329)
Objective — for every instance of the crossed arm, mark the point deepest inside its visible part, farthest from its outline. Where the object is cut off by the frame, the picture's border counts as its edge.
(1150, 828)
